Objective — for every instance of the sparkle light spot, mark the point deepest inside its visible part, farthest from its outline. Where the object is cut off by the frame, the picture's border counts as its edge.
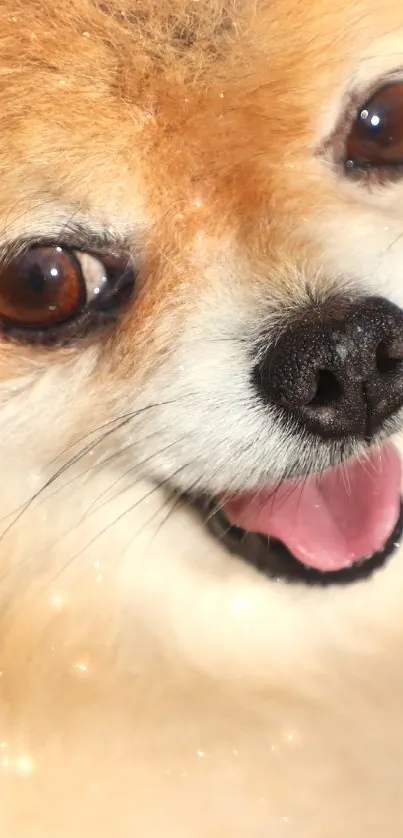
(197, 203)
(24, 765)
(82, 667)
(57, 601)
(200, 753)
(239, 605)
(291, 737)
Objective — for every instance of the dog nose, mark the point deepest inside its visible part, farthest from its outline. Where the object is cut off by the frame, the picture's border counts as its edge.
(341, 374)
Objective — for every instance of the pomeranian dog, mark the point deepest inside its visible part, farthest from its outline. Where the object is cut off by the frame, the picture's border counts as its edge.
(201, 394)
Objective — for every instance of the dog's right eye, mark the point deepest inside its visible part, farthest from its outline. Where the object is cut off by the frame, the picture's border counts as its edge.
(42, 287)
(375, 140)
(53, 293)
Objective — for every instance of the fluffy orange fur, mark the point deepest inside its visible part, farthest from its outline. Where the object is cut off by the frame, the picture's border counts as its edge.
(149, 686)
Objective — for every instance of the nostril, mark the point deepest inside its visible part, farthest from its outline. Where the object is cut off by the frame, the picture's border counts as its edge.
(389, 357)
(328, 390)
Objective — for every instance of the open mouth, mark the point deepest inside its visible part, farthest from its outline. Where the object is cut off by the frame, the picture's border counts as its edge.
(328, 528)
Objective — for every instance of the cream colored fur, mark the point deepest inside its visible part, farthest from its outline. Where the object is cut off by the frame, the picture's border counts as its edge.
(151, 686)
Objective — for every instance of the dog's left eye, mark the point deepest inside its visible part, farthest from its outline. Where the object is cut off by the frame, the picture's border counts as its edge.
(48, 286)
(375, 140)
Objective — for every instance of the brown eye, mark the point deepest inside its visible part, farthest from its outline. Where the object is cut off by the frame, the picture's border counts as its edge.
(41, 288)
(376, 137)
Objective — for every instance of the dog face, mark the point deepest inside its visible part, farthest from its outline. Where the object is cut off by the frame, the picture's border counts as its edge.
(197, 198)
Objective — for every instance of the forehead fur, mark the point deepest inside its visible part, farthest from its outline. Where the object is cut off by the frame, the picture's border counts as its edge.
(234, 80)
(185, 115)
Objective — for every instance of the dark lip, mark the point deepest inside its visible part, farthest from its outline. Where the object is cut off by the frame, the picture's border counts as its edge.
(274, 560)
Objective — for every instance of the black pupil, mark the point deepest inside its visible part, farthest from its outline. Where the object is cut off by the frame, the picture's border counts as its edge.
(37, 280)
(40, 278)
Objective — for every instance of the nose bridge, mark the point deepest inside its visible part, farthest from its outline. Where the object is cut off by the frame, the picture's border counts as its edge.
(372, 320)
(352, 343)
(346, 347)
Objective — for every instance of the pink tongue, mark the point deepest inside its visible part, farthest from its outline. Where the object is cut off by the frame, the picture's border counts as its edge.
(328, 521)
